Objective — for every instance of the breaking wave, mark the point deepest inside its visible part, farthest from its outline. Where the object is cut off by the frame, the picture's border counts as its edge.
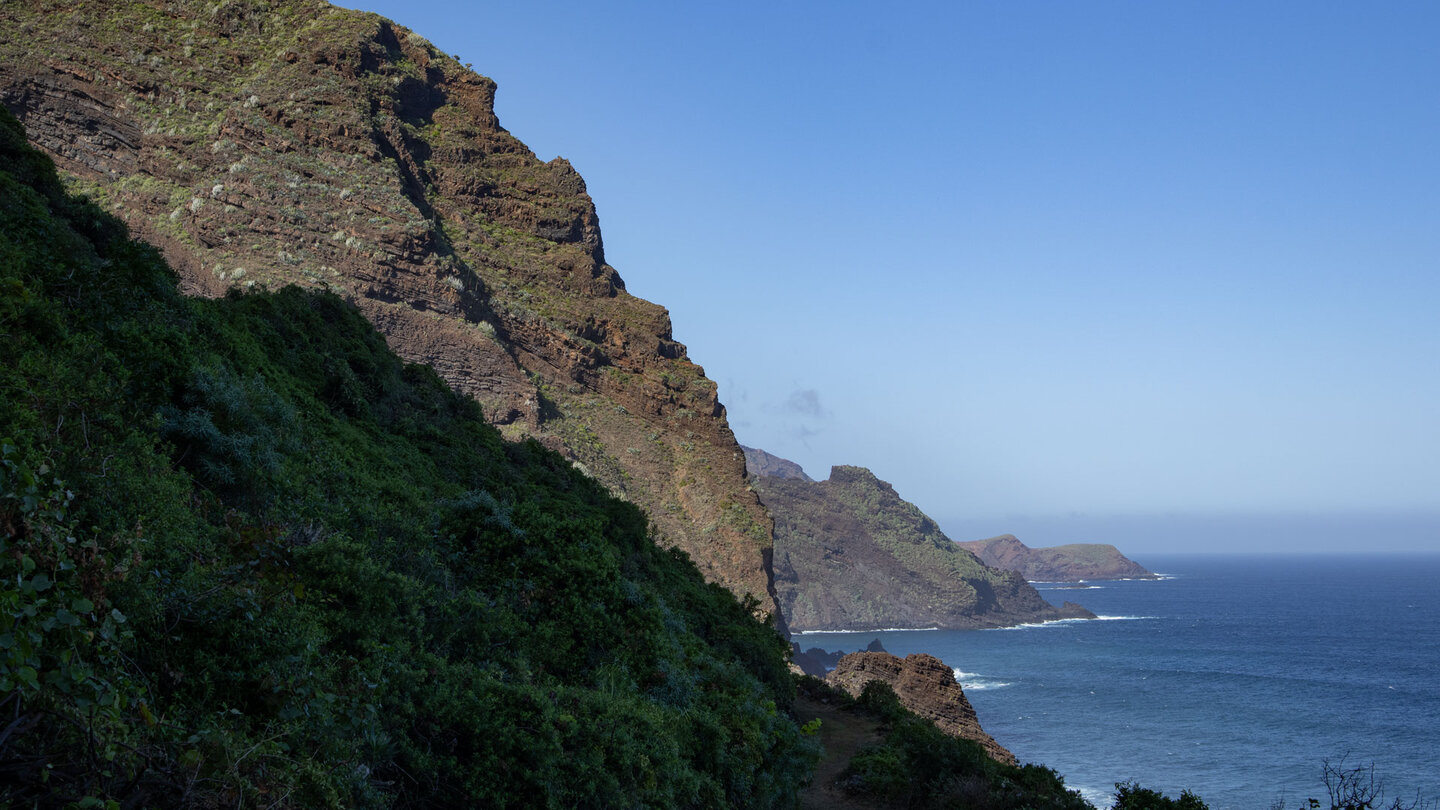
(974, 681)
(1053, 622)
(872, 630)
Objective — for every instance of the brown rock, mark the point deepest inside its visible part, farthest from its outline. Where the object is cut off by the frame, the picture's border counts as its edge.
(760, 464)
(851, 554)
(294, 142)
(1069, 563)
(925, 686)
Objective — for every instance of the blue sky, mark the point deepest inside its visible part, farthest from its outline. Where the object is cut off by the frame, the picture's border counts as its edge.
(1049, 264)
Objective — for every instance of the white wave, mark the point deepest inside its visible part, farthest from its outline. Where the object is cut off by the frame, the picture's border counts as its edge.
(852, 632)
(1157, 578)
(1029, 625)
(1053, 622)
(976, 681)
(1095, 796)
(975, 686)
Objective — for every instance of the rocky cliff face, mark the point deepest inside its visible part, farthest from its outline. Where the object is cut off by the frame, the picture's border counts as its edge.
(926, 686)
(760, 464)
(851, 554)
(1070, 563)
(274, 142)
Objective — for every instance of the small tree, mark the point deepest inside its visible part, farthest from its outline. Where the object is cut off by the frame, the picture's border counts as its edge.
(1357, 788)
(1130, 796)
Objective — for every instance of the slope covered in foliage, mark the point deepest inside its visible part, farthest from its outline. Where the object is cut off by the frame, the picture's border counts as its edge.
(251, 558)
(261, 143)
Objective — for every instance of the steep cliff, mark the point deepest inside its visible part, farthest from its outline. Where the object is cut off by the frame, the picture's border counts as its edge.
(850, 553)
(925, 686)
(261, 143)
(253, 559)
(1069, 563)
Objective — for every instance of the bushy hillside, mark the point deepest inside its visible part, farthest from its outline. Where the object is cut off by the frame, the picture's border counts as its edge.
(251, 558)
(262, 143)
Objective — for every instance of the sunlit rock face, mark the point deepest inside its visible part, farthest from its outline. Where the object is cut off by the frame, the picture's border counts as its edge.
(926, 686)
(260, 144)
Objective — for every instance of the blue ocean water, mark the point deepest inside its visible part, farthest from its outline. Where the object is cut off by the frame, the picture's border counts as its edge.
(1236, 677)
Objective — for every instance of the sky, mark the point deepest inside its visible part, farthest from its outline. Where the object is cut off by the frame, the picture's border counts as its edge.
(1076, 271)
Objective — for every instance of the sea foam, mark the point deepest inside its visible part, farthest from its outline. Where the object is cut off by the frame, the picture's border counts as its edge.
(853, 632)
(974, 681)
(1053, 622)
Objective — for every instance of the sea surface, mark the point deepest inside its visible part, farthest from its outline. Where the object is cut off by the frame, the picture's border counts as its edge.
(1236, 677)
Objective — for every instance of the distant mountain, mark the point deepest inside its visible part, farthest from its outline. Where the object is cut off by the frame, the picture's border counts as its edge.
(851, 554)
(1070, 563)
(759, 463)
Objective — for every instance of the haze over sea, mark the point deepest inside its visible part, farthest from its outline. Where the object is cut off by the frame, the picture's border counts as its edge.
(1236, 677)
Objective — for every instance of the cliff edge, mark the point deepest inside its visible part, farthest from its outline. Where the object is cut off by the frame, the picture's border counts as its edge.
(262, 143)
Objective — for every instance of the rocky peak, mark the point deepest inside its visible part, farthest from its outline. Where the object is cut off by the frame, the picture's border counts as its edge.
(260, 143)
(846, 475)
(760, 464)
(925, 686)
(851, 554)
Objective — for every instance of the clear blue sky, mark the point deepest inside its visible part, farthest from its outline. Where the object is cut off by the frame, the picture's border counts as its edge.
(1042, 264)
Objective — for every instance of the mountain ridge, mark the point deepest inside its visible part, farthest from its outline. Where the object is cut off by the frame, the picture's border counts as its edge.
(1067, 563)
(851, 554)
(261, 143)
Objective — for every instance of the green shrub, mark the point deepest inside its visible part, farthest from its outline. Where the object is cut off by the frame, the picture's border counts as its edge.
(1130, 796)
(918, 765)
(285, 568)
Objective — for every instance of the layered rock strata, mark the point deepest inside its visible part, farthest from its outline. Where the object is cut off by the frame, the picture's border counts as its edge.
(260, 143)
(925, 686)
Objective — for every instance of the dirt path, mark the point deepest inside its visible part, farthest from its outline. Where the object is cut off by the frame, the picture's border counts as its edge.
(842, 733)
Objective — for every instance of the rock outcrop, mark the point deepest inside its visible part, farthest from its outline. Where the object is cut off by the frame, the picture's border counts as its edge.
(818, 662)
(274, 142)
(925, 686)
(760, 464)
(1070, 563)
(851, 554)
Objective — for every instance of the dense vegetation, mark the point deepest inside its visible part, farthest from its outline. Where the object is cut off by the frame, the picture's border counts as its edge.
(916, 765)
(251, 558)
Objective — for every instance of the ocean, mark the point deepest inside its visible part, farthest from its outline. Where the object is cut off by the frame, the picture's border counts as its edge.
(1235, 677)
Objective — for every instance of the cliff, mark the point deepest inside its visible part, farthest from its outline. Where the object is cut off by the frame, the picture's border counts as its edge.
(851, 554)
(260, 143)
(254, 559)
(760, 464)
(1069, 563)
(925, 686)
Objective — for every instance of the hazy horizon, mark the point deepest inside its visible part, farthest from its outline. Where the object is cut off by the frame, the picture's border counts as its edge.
(1023, 259)
(1140, 535)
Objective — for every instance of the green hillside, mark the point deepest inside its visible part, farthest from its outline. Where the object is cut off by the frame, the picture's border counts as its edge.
(252, 559)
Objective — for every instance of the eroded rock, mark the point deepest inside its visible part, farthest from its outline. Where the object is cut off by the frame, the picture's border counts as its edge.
(926, 686)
